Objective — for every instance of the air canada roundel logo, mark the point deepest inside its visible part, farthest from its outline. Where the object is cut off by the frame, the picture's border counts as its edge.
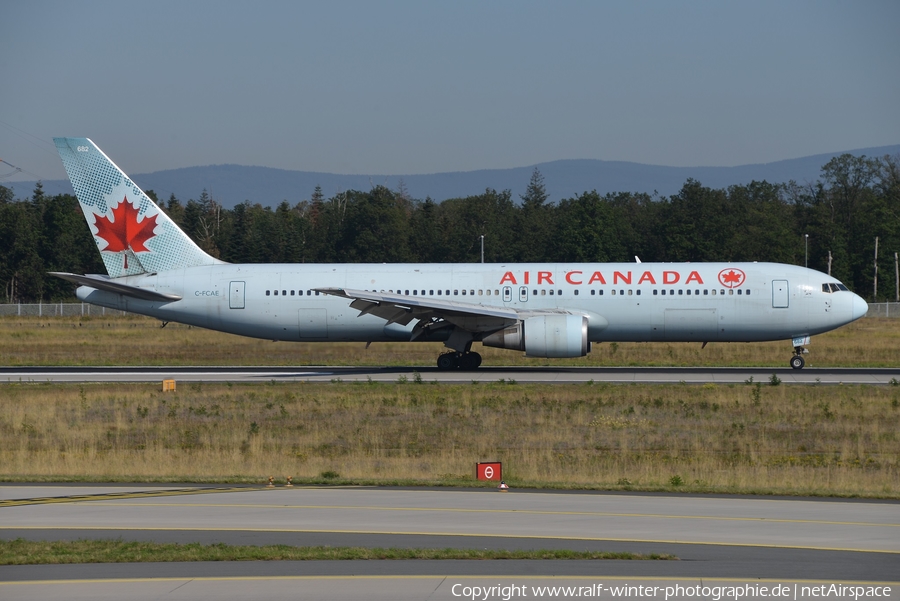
(731, 278)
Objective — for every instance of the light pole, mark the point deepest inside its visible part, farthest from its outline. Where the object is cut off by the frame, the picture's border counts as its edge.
(806, 249)
(482, 248)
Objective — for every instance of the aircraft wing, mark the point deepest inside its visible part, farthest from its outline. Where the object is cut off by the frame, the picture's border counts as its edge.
(432, 312)
(104, 283)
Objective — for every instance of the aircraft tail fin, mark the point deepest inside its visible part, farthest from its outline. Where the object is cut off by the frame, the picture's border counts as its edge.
(132, 233)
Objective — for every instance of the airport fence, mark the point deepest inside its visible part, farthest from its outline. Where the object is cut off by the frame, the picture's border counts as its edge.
(884, 310)
(86, 310)
(58, 310)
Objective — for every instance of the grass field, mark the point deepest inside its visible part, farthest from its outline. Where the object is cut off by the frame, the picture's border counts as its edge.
(870, 342)
(755, 438)
(22, 552)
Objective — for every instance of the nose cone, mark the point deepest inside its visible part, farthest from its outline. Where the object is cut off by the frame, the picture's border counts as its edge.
(860, 307)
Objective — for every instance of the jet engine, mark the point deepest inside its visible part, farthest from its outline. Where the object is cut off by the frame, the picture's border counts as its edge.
(555, 336)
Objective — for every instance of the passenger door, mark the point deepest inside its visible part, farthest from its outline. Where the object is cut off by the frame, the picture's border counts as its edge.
(780, 294)
(236, 295)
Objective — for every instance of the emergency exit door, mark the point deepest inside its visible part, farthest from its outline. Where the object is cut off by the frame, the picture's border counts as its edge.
(236, 295)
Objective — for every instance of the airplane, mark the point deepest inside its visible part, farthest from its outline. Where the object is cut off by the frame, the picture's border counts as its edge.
(552, 310)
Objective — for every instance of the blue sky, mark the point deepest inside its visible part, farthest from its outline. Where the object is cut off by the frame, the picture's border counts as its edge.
(422, 87)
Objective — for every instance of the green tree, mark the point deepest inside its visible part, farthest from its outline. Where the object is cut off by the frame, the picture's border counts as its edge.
(536, 221)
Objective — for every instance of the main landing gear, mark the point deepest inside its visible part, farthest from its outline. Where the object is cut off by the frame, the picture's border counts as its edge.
(797, 361)
(453, 360)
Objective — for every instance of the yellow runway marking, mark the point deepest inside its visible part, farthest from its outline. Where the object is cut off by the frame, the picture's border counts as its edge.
(501, 511)
(460, 534)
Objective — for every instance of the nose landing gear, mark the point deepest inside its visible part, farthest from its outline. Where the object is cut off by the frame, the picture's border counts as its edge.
(465, 361)
(797, 361)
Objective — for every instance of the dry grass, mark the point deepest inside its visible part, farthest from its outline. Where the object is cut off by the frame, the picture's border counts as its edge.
(23, 552)
(840, 440)
(133, 340)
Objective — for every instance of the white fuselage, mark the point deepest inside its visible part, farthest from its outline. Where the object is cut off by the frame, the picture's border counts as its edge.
(707, 302)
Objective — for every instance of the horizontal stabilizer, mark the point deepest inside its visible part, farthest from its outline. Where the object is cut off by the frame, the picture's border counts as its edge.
(102, 283)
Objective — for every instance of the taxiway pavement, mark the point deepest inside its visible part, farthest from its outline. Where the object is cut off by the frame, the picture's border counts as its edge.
(731, 540)
(553, 375)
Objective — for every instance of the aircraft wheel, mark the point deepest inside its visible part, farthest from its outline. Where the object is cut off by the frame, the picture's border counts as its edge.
(446, 361)
(797, 362)
(469, 361)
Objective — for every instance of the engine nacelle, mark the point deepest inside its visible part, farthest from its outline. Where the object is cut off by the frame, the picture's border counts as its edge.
(552, 336)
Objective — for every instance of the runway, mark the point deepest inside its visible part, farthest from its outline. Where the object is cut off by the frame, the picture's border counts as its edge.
(546, 375)
(726, 539)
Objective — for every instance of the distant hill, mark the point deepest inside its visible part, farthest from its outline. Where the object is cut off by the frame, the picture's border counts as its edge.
(232, 184)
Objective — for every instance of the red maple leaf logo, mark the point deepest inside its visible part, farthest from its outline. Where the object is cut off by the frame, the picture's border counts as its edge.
(731, 277)
(123, 232)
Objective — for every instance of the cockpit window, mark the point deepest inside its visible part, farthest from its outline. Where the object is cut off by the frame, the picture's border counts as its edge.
(826, 288)
(842, 287)
(832, 287)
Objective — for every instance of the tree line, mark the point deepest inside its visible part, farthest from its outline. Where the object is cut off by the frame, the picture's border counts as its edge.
(854, 200)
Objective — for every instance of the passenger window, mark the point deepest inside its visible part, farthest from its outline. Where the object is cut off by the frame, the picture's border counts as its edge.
(680, 292)
(300, 293)
(439, 292)
(706, 292)
(576, 292)
(613, 292)
(267, 292)
(551, 293)
(722, 292)
(292, 292)
(731, 292)
(740, 292)
(431, 292)
(654, 293)
(471, 293)
(600, 292)
(747, 293)
(496, 292)
(309, 293)
(479, 293)
(534, 293)
(543, 293)
(456, 292)
(464, 292)
(488, 292)
(593, 292)
(638, 292)
(559, 293)
(629, 293)
(276, 293)
(446, 293)
(284, 293)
